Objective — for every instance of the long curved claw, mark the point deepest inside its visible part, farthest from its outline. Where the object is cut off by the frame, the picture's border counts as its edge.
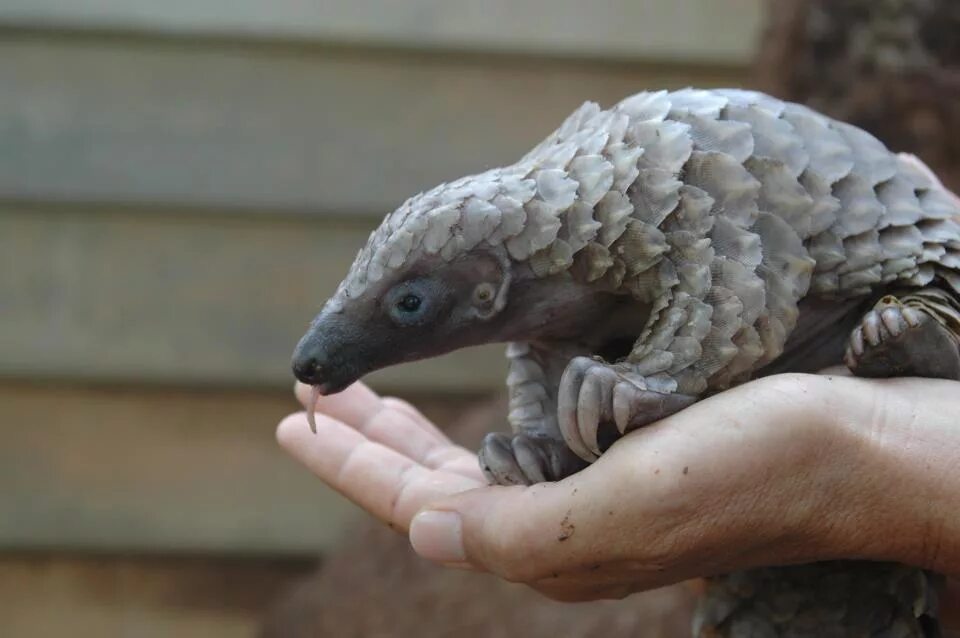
(872, 330)
(593, 405)
(531, 459)
(521, 459)
(593, 393)
(568, 402)
(498, 462)
(912, 316)
(896, 339)
(894, 321)
(624, 404)
(635, 407)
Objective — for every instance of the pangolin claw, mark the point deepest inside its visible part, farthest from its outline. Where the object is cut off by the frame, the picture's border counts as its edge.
(593, 393)
(519, 459)
(624, 403)
(568, 406)
(595, 403)
(906, 337)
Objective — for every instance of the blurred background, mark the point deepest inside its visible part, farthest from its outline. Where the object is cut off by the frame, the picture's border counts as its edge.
(183, 183)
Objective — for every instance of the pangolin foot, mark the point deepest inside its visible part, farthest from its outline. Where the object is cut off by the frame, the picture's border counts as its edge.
(895, 340)
(522, 459)
(594, 394)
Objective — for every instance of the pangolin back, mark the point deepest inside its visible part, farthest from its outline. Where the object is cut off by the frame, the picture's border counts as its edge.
(720, 208)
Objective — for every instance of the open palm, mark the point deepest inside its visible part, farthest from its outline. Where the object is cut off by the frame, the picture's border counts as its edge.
(785, 469)
(381, 453)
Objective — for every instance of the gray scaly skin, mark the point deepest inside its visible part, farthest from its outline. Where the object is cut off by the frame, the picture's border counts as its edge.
(643, 257)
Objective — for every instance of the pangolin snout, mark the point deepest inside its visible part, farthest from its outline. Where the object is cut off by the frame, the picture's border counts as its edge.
(326, 357)
(308, 362)
(310, 366)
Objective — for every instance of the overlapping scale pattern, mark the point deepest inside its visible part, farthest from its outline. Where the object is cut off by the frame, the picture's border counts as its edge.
(720, 209)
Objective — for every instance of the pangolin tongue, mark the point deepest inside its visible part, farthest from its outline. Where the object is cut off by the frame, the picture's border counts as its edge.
(312, 408)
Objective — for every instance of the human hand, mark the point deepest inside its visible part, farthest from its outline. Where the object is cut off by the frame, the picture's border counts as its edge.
(787, 469)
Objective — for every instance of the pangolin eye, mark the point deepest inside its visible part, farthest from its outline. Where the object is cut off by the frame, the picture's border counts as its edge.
(409, 303)
(414, 303)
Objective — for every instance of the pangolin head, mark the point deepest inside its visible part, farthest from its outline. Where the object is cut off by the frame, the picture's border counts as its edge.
(452, 267)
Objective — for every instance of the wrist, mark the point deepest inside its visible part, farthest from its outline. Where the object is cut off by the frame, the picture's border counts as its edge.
(902, 498)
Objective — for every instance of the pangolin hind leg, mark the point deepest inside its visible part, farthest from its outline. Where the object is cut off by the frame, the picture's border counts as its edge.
(535, 451)
(916, 334)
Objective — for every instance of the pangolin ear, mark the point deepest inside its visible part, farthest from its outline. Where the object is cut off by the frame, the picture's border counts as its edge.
(490, 280)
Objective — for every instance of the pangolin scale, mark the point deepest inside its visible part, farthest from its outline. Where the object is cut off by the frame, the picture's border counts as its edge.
(645, 256)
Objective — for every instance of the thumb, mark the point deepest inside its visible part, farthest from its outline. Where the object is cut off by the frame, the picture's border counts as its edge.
(519, 533)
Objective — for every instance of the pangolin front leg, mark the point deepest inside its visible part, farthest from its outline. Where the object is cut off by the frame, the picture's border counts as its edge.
(917, 334)
(594, 393)
(535, 451)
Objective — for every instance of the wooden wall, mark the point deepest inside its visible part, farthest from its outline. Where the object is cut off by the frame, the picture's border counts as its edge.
(182, 184)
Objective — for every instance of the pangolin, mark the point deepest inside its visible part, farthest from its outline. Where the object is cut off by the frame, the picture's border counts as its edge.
(648, 255)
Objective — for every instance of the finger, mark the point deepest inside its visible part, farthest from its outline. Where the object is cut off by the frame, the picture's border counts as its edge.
(397, 430)
(523, 534)
(415, 414)
(353, 406)
(358, 405)
(389, 485)
(398, 426)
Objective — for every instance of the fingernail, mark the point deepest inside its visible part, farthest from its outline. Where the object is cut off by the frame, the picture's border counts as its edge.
(438, 536)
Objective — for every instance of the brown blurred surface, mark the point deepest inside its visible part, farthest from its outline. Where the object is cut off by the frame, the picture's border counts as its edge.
(42, 596)
(374, 586)
(951, 608)
(891, 67)
(159, 470)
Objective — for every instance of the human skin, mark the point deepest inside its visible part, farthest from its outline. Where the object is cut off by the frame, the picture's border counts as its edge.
(792, 468)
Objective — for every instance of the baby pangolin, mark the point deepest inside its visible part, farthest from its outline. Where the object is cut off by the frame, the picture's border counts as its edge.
(643, 257)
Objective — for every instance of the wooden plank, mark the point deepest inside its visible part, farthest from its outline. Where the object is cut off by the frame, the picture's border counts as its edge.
(159, 470)
(270, 128)
(183, 299)
(703, 30)
(146, 597)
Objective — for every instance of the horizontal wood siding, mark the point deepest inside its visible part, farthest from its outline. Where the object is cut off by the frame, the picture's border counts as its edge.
(272, 128)
(42, 596)
(182, 186)
(698, 30)
(161, 470)
(183, 299)
(123, 161)
(155, 471)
